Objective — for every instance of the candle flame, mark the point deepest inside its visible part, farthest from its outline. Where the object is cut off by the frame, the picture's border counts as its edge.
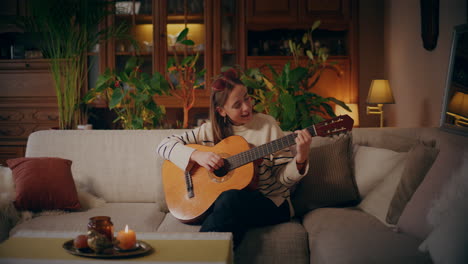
(126, 228)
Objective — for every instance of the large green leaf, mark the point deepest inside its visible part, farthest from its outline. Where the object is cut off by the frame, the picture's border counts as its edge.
(187, 42)
(131, 65)
(116, 98)
(297, 74)
(289, 106)
(182, 35)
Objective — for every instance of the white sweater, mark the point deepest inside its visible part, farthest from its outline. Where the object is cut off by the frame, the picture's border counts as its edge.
(276, 174)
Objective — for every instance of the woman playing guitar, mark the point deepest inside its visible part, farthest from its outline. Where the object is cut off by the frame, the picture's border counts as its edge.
(231, 113)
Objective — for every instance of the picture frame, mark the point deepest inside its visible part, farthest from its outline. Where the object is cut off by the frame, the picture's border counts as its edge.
(454, 115)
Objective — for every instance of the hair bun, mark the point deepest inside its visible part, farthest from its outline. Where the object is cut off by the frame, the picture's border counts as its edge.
(230, 74)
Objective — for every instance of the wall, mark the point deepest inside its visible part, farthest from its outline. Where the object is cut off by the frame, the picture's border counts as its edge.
(371, 53)
(417, 76)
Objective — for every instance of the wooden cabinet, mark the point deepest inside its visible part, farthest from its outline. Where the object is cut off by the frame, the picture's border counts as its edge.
(268, 34)
(294, 13)
(272, 11)
(27, 104)
(154, 24)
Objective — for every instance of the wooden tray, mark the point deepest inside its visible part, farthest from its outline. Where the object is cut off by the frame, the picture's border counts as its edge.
(142, 248)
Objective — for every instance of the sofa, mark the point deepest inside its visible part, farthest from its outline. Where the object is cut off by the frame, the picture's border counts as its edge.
(357, 204)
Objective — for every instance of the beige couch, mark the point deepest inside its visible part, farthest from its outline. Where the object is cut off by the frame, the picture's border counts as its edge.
(122, 168)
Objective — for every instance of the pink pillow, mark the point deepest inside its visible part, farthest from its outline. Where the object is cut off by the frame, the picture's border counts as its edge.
(44, 184)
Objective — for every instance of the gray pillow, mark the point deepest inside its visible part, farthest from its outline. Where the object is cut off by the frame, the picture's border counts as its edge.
(330, 180)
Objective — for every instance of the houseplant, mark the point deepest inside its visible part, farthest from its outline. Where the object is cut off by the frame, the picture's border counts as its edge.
(130, 94)
(68, 29)
(183, 75)
(288, 95)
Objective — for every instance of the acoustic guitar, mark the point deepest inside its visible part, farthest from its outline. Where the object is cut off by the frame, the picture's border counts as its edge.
(190, 194)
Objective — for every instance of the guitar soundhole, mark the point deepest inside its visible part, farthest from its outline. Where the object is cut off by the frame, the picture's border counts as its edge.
(221, 174)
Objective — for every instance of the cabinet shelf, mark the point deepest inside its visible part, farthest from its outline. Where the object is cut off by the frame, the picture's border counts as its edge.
(179, 19)
(139, 19)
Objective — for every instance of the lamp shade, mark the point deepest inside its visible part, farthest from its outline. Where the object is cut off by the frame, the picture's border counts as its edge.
(459, 104)
(380, 93)
(354, 114)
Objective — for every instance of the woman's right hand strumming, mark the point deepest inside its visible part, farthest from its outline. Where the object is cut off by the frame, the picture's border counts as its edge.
(209, 160)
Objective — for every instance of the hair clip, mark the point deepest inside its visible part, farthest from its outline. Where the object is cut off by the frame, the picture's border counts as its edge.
(219, 85)
(230, 74)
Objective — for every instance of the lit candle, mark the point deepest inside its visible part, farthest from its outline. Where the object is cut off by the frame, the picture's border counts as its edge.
(126, 238)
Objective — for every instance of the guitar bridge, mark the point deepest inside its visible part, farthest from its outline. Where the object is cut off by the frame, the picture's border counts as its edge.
(189, 183)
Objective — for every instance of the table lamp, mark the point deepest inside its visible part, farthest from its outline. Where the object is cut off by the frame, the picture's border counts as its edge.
(354, 114)
(379, 93)
(458, 108)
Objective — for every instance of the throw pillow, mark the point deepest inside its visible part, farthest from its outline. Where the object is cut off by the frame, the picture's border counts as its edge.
(7, 187)
(418, 163)
(367, 174)
(330, 180)
(378, 200)
(447, 242)
(388, 199)
(44, 184)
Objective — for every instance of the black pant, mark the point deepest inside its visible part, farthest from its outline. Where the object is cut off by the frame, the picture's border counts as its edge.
(238, 210)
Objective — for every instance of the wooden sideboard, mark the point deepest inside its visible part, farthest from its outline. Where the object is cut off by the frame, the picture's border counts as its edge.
(27, 104)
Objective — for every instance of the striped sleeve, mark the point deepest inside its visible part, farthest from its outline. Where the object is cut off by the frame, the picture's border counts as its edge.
(173, 147)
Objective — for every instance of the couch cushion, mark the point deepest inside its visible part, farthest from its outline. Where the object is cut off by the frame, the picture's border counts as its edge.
(282, 243)
(125, 158)
(141, 217)
(44, 184)
(347, 235)
(172, 224)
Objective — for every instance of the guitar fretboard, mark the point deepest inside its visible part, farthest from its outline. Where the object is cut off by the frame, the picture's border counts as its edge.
(258, 152)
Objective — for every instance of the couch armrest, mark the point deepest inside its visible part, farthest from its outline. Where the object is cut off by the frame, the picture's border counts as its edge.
(9, 216)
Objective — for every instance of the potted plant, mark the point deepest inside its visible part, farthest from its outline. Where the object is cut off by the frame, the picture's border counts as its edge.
(130, 94)
(288, 95)
(182, 74)
(68, 30)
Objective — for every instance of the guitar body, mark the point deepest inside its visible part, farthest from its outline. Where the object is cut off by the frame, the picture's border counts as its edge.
(206, 186)
(190, 196)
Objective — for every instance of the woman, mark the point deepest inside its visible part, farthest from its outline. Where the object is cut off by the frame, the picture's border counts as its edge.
(231, 113)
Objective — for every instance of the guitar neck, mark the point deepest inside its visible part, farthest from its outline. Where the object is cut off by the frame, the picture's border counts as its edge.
(258, 152)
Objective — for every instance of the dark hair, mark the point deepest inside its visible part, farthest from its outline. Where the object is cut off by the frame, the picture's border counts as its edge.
(220, 90)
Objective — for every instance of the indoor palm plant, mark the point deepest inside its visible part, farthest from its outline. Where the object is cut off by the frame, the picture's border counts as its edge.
(68, 30)
(130, 94)
(288, 95)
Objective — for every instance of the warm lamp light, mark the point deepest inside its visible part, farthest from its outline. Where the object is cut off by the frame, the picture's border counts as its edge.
(354, 114)
(379, 93)
(458, 108)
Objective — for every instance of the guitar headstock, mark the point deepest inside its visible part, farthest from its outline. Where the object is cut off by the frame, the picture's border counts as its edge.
(337, 125)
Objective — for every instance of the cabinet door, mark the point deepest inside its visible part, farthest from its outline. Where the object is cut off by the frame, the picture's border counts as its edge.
(272, 11)
(332, 13)
(227, 32)
(138, 15)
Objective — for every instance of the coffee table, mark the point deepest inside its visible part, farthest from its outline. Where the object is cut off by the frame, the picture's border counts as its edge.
(46, 247)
